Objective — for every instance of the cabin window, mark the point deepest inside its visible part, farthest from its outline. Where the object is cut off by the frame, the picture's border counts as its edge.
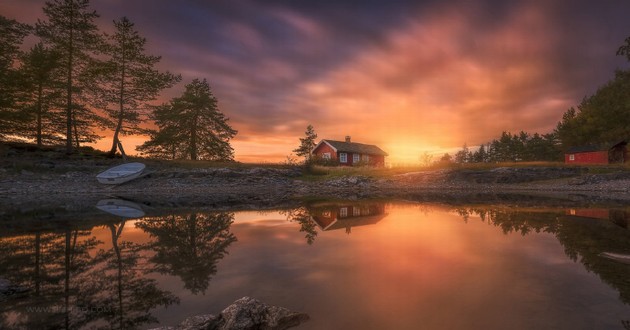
(343, 212)
(356, 158)
(356, 211)
(343, 157)
(571, 157)
(366, 158)
(326, 155)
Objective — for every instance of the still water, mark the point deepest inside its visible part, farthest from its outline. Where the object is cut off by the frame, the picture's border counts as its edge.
(349, 265)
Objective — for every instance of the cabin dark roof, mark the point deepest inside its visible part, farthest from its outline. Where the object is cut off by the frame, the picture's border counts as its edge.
(591, 148)
(357, 148)
(595, 147)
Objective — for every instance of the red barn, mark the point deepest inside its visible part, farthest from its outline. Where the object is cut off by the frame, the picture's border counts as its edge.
(350, 153)
(597, 154)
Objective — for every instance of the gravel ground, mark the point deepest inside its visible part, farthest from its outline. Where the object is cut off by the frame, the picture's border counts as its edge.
(51, 182)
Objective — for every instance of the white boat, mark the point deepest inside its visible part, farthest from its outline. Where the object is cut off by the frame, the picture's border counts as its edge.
(121, 173)
(625, 258)
(121, 208)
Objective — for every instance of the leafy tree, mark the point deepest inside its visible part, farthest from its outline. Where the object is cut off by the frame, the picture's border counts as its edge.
(163, 144)
(463, 156)
(426, 159)
(480, 156)
(446, 158)
(130, 80)
(72, 32)
(601, 117)
(191, 125)
(40, 68)
(12, 33)
(307, 143)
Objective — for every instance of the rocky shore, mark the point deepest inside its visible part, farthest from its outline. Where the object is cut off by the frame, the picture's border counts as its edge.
(32, 178)
(256, 187)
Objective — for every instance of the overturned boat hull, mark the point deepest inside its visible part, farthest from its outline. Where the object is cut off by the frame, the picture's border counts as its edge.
(121, 173)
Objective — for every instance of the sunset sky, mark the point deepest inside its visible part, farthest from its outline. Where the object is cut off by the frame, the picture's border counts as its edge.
(409, 76)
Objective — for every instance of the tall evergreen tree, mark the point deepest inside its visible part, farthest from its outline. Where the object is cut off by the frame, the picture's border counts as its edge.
(307, 143)
(40, 68)
(191, 125)
(130, 80)
(12, 34)
(72, 32)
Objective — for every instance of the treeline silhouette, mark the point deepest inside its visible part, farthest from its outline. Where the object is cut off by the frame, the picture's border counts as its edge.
(77, 81)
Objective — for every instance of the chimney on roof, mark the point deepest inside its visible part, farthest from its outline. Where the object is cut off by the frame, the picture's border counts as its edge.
(348, 138)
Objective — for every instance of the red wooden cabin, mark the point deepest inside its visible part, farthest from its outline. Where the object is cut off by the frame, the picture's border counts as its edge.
(350, 153)
(597, 154)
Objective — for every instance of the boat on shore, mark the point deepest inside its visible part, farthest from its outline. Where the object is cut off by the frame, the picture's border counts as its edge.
(121, 173)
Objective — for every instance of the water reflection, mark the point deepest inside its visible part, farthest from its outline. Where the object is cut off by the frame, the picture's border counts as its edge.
(74, 280)
(122, 208)
(189, 246)
(335, 215)
(403, 262)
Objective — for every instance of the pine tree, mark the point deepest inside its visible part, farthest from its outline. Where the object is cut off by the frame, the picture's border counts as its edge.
(129, 80)
(71, 31)
(307, 143)
(40, 68)
(12, 33)
(191, 125)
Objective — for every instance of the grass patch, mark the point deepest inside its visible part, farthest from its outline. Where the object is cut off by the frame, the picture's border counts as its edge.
(318, 172)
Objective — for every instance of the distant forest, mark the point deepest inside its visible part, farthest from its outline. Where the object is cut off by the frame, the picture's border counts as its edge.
(76, 81)
(600, 119)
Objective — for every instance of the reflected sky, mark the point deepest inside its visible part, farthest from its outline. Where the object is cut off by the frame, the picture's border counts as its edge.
(420, 266)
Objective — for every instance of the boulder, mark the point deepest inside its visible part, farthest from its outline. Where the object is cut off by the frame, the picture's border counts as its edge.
(244, 314)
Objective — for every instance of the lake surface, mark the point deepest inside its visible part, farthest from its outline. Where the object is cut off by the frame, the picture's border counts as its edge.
(349, 265)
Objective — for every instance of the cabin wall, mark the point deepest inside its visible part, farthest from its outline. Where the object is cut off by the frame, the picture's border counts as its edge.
(325, 148)
(595, 157)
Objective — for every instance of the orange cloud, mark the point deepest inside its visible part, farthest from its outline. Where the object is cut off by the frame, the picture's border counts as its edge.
(434, 84)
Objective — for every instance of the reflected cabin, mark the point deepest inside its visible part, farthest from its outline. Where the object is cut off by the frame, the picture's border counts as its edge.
(350, 153)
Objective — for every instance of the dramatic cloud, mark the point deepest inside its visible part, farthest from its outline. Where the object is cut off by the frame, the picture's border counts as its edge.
(409, 76)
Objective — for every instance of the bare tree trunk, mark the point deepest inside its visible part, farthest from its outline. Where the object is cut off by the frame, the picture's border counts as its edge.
(39, 114)
(121, 103)
(69, 87)
(193, 140)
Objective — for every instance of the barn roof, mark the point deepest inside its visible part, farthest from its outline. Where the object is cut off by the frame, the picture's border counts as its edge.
(353, 147)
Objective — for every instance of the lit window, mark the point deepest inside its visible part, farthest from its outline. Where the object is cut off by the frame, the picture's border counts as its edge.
(356, 211)
(356, 158)
(326, 155)
(343, 157)
(571, 157)
(343, 212)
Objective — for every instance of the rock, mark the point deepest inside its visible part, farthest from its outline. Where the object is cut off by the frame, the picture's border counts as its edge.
(248, 313)
(8, 290)
(244, 314)
(25, 172)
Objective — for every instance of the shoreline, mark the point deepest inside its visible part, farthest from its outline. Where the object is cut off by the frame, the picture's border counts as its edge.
(266, 187)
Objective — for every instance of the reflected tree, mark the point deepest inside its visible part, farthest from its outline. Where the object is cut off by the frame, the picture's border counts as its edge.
(52, 268)
(125, 296)
(189, 246)
(583, 239)
(302, 216)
